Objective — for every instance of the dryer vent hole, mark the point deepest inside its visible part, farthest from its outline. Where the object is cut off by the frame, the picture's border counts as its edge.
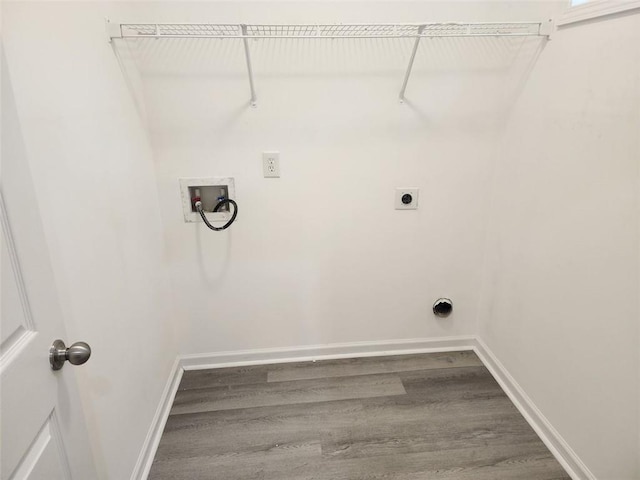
(442, 307)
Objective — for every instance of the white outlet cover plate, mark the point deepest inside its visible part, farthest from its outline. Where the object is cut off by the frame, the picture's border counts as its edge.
(271, 164)
(413, 191)
(194, 217)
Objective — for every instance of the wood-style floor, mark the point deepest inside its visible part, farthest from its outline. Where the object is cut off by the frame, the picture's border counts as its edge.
(406, 417)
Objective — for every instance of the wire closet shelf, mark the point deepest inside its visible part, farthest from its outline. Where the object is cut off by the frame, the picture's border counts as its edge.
(245, 32)
(209, 30)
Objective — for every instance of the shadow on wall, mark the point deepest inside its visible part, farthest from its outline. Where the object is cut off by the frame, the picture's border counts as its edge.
(212, 273)
(331, 57)
(479, 77)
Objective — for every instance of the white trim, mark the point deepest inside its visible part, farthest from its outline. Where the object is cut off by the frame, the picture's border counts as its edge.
(325, 352)
(278, 355)
(549, 435)
(150, 445)
(595, 9)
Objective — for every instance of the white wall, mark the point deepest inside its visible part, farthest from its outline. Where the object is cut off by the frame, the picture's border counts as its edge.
(561, 288)
(320, 255)
(93, 173)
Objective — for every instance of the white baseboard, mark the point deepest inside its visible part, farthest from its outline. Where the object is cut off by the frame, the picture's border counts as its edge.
(549, 435)
(278, 355)
(143, 465)
(552, 439)
(325, 352)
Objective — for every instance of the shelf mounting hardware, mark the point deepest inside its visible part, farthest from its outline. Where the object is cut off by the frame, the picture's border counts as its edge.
(247, 55)
(410, 66)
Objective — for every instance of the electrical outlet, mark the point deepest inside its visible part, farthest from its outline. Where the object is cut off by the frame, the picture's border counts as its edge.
(407, 198)
(271, 164)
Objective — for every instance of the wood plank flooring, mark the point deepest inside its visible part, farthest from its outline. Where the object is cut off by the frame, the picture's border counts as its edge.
(405, 417)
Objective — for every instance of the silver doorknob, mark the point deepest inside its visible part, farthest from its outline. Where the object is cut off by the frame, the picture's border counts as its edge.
(77, 354)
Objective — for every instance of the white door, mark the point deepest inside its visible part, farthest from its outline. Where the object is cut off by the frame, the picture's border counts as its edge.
(43, 435)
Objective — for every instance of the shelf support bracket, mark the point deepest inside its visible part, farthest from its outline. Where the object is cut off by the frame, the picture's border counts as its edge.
(112, 29)
(247, 55)
(411, 60)
(547, 28)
